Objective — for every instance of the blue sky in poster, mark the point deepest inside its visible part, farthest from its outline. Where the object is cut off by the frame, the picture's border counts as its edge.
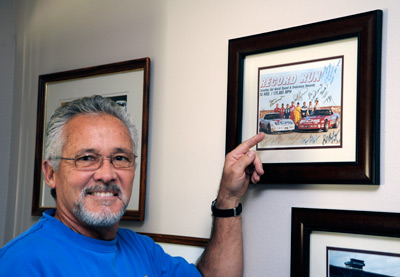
(383, 264)
(304, 82)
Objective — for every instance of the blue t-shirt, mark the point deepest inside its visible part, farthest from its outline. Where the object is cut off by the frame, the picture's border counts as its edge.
(49, 248)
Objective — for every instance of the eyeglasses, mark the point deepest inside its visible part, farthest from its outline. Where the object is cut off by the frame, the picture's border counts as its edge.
(92, 161)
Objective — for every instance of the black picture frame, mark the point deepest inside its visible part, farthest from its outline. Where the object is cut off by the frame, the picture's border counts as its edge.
(137, 68)
(305, 221)
(367, 28)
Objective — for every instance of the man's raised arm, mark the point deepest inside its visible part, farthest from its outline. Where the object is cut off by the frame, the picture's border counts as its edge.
(223, 255)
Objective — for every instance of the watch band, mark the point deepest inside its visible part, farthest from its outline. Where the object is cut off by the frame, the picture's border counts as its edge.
(225, 212)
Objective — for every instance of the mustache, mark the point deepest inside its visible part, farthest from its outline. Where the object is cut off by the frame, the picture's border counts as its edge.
(115, 189)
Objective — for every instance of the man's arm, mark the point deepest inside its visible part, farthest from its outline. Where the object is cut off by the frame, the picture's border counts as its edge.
(223, 255)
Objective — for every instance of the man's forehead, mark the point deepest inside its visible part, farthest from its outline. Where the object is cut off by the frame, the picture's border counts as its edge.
(94, 119)
(87, 131)
(98, 150)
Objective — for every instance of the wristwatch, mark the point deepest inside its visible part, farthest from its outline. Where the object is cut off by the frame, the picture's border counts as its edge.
(225, 212)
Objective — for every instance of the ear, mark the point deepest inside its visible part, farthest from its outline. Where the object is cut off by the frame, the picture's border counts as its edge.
(48, 173)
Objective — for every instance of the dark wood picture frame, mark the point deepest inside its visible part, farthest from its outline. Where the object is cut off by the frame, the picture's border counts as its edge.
(305, 221)
(108, 70)
(173, 239)
(367, 28)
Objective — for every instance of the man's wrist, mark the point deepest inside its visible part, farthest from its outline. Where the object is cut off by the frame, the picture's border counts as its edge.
(227, 199)
(217, 212)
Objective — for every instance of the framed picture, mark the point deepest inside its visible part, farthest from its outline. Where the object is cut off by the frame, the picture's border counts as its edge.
(314, 90)
(333, 242)
(127, 83)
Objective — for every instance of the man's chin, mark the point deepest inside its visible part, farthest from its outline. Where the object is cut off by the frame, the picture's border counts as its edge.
(104, 217)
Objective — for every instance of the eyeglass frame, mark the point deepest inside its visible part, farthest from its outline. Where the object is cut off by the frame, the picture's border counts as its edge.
(99, 160)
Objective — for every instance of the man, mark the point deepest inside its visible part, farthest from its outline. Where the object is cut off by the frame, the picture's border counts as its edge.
(316, 107)
(287, 111)
(277, 109)
(292, 108)
(310, 108)
(297, 114)
(304, 110)
(90, 166)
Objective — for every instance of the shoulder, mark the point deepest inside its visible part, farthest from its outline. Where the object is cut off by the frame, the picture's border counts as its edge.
(35, 243)
(24, 251)
(25, 239)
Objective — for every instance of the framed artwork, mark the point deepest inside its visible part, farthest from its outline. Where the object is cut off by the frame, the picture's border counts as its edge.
(127, 83)
(342, 243)
(314, 90)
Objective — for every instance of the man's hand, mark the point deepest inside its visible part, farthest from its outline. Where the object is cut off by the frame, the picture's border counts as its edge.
(241, 166)
(223, 255)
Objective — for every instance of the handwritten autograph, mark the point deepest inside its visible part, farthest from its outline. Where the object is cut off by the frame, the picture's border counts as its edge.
(299, 96)
(272, 102)
(310, 140)
(330, 72)
(332, 138)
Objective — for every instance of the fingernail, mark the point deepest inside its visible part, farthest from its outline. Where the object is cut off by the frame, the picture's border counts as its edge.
(250, 154)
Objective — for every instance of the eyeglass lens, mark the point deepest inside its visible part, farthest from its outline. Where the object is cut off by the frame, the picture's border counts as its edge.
(93, 161)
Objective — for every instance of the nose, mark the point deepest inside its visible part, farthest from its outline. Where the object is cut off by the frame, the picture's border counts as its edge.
(106, 172)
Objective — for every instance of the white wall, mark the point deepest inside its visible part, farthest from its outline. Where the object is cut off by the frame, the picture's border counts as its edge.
(188, 44)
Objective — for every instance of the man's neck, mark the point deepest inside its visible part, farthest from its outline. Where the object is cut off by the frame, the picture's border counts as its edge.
(102, 233)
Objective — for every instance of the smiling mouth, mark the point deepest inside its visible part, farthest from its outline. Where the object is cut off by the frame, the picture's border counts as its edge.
(103, 191)
(103, 194)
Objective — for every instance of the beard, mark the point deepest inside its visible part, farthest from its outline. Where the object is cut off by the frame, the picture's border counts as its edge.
(105, 217)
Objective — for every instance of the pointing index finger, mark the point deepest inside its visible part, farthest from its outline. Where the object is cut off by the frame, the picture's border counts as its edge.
(245, 146)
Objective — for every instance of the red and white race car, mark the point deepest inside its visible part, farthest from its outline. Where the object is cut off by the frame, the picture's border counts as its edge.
(275, 122)
(320, 120)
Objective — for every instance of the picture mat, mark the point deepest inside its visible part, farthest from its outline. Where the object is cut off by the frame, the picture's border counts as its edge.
(347, 48)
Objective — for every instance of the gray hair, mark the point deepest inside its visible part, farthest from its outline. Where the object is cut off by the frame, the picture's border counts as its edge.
(55, 139)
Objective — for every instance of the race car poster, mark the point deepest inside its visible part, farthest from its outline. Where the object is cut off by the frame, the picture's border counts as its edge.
(300, 104)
